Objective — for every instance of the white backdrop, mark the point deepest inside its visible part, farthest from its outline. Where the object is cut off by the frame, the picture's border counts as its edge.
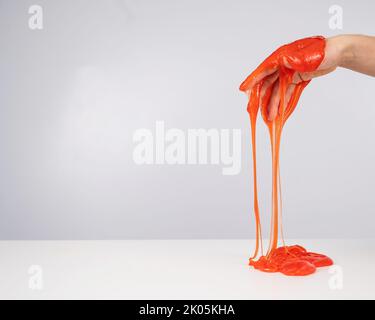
(73, 95)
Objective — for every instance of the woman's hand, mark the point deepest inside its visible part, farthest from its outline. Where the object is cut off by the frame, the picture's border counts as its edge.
(343, 50)
(334, 51)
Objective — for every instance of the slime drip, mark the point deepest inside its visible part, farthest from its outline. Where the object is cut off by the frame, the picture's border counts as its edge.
(303, 55)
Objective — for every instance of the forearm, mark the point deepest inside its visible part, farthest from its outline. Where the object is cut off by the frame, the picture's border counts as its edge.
(357, 53)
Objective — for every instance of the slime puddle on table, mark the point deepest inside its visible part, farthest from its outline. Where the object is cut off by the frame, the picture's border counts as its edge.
(303, 55)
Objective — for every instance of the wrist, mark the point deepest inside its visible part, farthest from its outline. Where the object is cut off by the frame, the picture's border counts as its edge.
(345, 49)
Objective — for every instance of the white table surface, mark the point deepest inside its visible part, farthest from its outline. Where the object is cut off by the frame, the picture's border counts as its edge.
(176, 269)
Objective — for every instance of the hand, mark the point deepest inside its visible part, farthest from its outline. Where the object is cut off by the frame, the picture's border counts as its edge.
(303, 58)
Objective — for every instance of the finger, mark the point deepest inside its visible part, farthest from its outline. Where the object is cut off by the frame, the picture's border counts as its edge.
(318, 73)
(288, 96)
(261, 72)
(268, 82)
(294, 98)
(273, 105)
(307, 76)
(267, 93)
(299, 77)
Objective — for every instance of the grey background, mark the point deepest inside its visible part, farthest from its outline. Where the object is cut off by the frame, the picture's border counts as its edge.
(72, 94)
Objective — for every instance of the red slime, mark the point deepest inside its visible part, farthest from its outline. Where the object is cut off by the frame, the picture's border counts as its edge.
(303, 55)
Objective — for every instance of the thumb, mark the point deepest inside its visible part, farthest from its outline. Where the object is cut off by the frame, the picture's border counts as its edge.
(318, 73)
